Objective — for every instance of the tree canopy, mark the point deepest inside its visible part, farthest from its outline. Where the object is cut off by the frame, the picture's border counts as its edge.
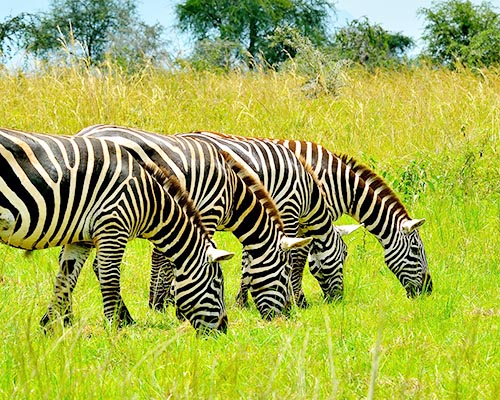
(457, 31)
(252, 23)
(90, 29)
(250, 33)
(370, 45)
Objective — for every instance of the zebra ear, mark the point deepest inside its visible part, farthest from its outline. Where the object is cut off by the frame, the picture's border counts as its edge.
(288, 243)
(346, 229)
(411, 224)
(216, 255)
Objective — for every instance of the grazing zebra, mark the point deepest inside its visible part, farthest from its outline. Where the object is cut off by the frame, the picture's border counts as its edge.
(355, 190)
(228, 198)
(301, 203)
(87, 192)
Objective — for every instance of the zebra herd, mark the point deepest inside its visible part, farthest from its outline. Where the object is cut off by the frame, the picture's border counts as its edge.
(109, 184)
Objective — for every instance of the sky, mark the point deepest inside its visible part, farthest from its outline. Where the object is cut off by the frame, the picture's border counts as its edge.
(396, 16)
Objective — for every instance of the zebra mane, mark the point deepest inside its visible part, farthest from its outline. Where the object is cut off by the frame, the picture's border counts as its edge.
(174, 188)
(374, 180)
(256, 187)
(311, 172)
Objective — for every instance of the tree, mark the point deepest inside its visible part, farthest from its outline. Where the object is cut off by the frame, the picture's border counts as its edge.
(134, 45)
(90, 29)
(458, 31)
(251, 23)
(370, 45)
(8, 30)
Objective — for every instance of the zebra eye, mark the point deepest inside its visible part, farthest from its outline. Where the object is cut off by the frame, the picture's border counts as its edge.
(414, 251)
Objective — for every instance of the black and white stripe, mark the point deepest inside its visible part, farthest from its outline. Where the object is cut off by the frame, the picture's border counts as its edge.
(356, 190)
(228, 198)
(86, 192)
(300, 200)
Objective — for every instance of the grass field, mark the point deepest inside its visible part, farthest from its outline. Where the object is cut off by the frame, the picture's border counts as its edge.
(434, 135)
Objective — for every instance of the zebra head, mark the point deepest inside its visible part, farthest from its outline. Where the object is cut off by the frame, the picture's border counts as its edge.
(326, 261)
(201, 299)
(405, 257)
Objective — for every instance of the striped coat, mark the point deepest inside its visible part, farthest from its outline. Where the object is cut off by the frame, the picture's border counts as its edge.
(354, 189)
(228, 198)
(83, 192)
(300, 200)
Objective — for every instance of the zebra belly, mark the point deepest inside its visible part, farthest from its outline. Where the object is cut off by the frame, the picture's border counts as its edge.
(37, 240)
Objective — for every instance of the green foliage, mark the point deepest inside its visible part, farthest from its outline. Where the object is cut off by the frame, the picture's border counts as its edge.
(251, 22)
(459, 32)
(413, 181)
(90, 23)
(217, 55)
(370, 45)
(89, 30)
(8, 30)
(136, 45)
(324, 74)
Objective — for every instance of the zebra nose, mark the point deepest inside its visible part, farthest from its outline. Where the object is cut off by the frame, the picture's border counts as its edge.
(223, 324)
(287, 308)
(413, 291)
(427, 283)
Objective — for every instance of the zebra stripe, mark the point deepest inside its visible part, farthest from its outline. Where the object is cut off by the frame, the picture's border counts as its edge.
(301, 203)
(228, 198)
(354, 189)
(83, 192)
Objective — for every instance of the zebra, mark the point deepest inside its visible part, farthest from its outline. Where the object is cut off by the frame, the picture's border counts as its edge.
(228, 198)
(354, 189)
(86, 192)
(302, 205)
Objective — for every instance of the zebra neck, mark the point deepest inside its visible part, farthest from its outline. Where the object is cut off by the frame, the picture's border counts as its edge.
(377, 208)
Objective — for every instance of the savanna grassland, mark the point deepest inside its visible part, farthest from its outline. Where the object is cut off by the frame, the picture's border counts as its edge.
(434, 136)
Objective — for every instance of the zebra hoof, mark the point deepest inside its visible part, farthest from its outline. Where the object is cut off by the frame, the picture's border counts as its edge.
(180, 316)
(46, 322)
(301, 302)
(334, 297)
(287, 309)
(160, 304)
(269, 314)
(242, 304)
(241, 301)
(125, 318)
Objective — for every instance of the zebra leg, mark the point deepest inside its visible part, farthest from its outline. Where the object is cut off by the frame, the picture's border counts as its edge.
(246, 279)
(109, 257)
(161, 282)
(298, 265)
(331, 282)
(71, 260)
(326, 260)
(123, 314)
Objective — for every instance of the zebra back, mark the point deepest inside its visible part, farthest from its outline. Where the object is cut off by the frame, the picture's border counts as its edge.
(289, 181)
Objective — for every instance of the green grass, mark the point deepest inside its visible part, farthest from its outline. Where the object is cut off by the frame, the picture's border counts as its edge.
(434, 135)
